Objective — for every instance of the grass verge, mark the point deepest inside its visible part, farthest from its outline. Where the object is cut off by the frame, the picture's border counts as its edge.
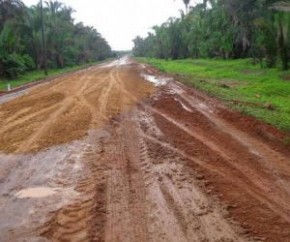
(37, 75)
(263, 93)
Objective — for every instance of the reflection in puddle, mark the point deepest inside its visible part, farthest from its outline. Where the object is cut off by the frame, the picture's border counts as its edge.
(36, 192)
(158, 81)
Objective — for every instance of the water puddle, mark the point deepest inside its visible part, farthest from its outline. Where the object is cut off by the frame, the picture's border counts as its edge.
(121, 62)
(124, 61)
(158, 81)
(110, 64)
(36, 192)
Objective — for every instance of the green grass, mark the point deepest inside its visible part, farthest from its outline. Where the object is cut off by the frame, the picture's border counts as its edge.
(38, 75)
(263, 93)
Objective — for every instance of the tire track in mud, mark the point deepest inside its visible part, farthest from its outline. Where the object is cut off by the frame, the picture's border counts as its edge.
(95, 114)
(251, 177)
(174, 188)
(150, 178)
(136, 184)
(84, 218)
(45, 126)
(254, 182)
(86, 223)
(247, 181)
(255, 147)
(242, 184)
(87, 92)
(105, 94)
(156, 169)
(162, 206)
(126, 195)
(15, 120)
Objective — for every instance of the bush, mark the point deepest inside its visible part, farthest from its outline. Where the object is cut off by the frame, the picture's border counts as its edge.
(13, 65)
(29, 62)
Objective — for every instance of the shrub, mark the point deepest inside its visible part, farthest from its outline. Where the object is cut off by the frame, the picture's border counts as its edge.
(29, 62)
(12, 65)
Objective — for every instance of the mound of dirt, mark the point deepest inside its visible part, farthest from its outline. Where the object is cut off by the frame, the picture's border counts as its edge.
(67, 108)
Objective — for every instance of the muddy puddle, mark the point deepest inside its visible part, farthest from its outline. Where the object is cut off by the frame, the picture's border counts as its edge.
(156, 80)
(36, 192)
(33, 186)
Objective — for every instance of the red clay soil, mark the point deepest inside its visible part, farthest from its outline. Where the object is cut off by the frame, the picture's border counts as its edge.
(130, 161)
(67, 108)
(36, 83)
(26, 86)
(244, 169)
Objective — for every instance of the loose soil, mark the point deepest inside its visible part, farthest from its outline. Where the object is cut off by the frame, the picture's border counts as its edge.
(66, 109)
(105, 155)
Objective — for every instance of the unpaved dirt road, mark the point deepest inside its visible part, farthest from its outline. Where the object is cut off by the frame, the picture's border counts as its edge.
(120, 152)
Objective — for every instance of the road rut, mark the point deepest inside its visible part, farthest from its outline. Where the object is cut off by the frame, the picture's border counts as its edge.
(124, 159)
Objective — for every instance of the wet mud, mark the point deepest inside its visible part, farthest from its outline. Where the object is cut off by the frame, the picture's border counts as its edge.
(121, 152)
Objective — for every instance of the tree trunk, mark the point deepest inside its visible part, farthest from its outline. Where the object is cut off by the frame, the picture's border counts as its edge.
(283, 49)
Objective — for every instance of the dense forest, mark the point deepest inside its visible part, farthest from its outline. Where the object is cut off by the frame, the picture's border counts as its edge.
(235, 29)
(67, 43)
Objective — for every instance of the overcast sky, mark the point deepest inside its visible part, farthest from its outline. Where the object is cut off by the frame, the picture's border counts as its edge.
(119, 21)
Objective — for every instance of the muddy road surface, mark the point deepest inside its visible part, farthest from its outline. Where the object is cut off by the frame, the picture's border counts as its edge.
(120, 152)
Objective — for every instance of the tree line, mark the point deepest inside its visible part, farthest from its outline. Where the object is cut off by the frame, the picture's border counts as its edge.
(228, 29)
(68, 43)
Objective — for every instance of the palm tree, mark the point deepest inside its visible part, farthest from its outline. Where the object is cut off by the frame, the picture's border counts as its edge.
(56, 33)
(54, 6)
(10, 9)
(282, 21)
(44, 52)
(186, 3)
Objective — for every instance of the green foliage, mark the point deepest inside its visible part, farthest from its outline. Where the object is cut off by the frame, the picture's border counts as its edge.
(68, 43)
(29, 62)
(13, 65)
(225, 29)
(35, 75)
(263, 93)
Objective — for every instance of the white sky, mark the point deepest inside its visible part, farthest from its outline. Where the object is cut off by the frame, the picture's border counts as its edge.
(119, 21)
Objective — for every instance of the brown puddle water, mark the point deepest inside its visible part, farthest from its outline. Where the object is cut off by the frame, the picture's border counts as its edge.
(36, 192)
(32, 186)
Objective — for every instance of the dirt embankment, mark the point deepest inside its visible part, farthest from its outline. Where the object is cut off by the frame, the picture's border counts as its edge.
(163, 163)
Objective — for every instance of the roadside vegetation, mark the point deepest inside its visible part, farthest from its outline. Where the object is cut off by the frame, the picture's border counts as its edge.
(37, 75)
(226, 29)
(67, 43)
(235, 50)
(263, 93)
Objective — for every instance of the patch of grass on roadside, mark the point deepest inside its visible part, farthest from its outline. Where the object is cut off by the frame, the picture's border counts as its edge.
(263, 93)
(37, 75)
